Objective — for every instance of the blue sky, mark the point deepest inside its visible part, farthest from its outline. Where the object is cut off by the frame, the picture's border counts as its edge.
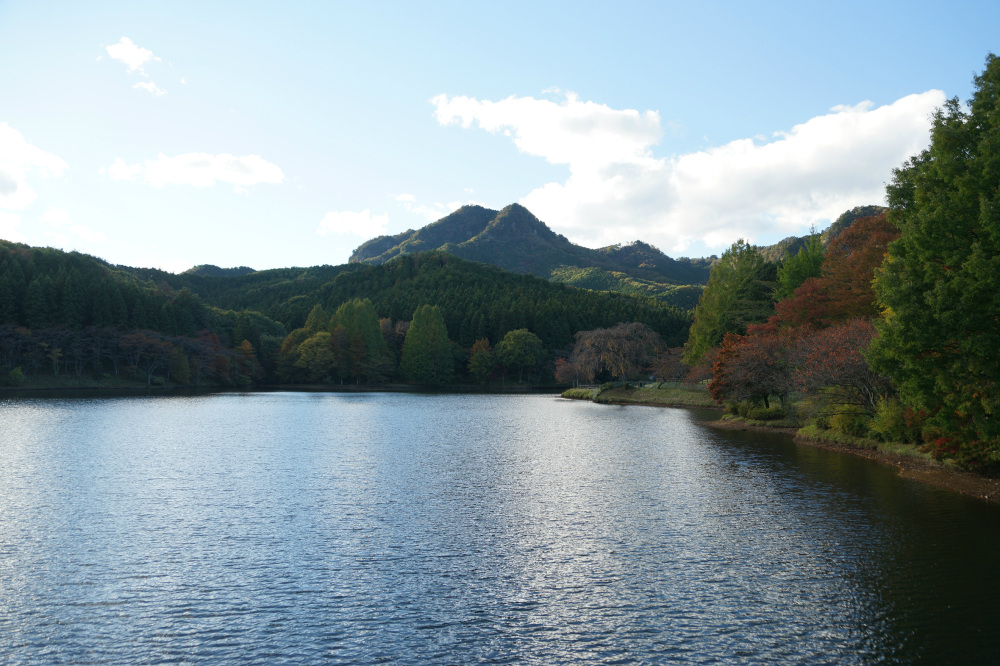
(179, 133)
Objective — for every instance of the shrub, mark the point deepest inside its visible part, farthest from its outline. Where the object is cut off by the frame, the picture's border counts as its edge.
(850, 420)
(761, 413)
(895, 423)
(15, 377)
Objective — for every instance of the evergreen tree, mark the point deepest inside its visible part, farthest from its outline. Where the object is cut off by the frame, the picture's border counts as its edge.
(427, 357)
(940, 283)
(805, 264)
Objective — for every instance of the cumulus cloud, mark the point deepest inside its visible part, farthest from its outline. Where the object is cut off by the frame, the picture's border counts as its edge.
(200, 170)
(349, 223)
(618, 190)
(18, 160)
(134, 57)
(430, 212)
(150, 87)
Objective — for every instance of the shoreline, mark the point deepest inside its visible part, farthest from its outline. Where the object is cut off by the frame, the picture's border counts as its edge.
(929, 472)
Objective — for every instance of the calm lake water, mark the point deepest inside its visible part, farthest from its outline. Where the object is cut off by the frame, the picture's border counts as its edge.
(302, 527)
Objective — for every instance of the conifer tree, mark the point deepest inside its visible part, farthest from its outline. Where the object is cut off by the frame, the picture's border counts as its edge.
(940, 283)
(427, 357)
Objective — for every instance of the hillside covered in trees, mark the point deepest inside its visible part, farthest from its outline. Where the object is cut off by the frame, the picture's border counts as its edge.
(517, 241)
(69, 315)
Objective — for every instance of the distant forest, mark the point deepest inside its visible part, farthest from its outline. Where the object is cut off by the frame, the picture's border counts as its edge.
(72, 315)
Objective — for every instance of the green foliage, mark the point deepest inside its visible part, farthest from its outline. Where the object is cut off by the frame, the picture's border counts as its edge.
(481, 361)
(797, 269)
(753, 410)
(599, 279)
(15, 377)
(894, 422)
(427, 357)
(850, 420)
(316, 356)
(739, 293)
(940, 283)
(520, 350)
(368, 353)
(482, 301)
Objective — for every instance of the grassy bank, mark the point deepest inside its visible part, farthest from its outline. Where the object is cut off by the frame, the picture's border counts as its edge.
(668, 396)
(911, 462)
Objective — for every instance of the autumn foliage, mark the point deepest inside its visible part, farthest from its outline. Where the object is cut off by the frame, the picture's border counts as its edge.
(844, 289)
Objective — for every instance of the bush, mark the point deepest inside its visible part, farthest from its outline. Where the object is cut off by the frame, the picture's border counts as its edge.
(850, 420)
(895, 423)
(15, 377)
(761, 413)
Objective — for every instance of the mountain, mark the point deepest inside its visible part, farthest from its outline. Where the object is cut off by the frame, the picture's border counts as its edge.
(517, 241)
(789, 247)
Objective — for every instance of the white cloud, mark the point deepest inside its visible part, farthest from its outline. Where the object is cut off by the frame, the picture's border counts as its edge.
(200, 170)
(571, 132)
(618, 190)
(18, 159)
(10, 227)
(150, 87)
(57, 217)
(65, 232)
(348, 223)
(134, 57)
(430, 212)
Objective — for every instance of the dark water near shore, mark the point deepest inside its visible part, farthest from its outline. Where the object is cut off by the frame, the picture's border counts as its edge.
(297, 527)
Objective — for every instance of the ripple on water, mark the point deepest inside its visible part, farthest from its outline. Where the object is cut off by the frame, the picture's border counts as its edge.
(291, 527)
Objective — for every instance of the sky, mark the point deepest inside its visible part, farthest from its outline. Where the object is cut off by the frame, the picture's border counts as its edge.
(173, 134)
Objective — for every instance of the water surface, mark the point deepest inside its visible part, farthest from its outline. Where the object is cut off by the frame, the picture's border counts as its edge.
(402, 528)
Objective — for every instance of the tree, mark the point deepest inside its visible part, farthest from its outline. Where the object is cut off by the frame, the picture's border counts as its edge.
(832, 360)
(316, 356)
(520, 349)
(739, 293)
(366, 348)
(566, 372)
(481, 360)
(427, 357)
(753, 367)
(844, 290)
(804, 265)
(940, 284)
(622, 351)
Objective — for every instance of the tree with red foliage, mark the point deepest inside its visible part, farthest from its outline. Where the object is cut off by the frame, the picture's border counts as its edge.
(753, 367)
(844, 290)
(832, 359)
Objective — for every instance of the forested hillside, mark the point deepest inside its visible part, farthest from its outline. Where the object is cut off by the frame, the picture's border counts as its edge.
(72, 315)
(517, 241)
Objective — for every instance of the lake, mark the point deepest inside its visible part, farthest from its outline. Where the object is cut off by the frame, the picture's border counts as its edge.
(406, 528)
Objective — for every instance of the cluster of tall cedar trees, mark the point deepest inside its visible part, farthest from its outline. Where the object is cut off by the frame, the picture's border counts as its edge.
(68, 314)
